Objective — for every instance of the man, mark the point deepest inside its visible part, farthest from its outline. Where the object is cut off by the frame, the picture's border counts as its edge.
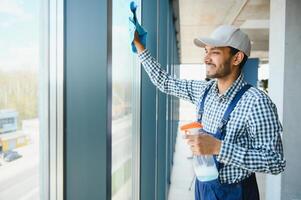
(241, 125)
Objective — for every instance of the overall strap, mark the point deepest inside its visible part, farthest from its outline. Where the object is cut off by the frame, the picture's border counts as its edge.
(220, 133)
(202, 104)
(230, 108)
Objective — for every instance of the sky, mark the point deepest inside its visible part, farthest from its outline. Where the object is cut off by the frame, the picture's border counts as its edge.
(19, 35)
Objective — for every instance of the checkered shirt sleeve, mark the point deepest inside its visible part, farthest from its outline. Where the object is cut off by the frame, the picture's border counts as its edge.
(185, 89)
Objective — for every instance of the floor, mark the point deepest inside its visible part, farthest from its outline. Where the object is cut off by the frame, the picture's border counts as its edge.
(182, 173)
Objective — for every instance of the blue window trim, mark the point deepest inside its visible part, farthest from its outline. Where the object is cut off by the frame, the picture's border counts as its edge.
(87, 104)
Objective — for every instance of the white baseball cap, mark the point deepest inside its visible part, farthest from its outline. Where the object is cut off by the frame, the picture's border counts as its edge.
(226, 35)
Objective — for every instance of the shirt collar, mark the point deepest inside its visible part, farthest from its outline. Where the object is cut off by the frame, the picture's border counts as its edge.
(232, 90)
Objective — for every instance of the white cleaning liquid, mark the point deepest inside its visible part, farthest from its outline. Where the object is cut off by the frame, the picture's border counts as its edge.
(204, 168)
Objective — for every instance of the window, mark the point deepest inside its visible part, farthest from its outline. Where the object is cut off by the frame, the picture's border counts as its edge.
(19, 100)
(125, 106)
(28, 81)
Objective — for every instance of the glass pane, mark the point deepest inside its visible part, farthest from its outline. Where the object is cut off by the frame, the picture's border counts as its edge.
(123, 111)
(19, 120)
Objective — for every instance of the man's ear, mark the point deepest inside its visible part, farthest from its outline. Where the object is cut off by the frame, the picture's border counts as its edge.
(237, 58)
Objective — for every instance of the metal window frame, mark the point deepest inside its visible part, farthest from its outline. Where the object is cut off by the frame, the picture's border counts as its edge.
(148, 126)
(87, 100)
(136, 125)
(51, 89)
(57, 100)
(136, 136)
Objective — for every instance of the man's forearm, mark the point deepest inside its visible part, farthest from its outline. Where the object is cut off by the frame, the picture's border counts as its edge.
(140, 48)
(185, 89)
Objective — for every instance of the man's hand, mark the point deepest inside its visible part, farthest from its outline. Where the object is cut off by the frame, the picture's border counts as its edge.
(203, 144)
(137, 43)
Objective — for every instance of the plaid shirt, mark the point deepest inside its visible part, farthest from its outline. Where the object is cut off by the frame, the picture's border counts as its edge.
(253, 133)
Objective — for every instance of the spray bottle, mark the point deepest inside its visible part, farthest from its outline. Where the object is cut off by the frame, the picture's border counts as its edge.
(204, 166)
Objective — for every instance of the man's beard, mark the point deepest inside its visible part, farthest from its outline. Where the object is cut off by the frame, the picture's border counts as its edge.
(221, 72)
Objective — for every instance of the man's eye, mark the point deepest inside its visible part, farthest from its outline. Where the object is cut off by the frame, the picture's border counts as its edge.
(215, 52)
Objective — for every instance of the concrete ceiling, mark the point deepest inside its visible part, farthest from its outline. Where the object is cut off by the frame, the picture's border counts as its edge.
(200, 17)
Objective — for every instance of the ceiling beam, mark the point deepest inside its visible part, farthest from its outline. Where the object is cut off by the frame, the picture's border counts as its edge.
(235, 11)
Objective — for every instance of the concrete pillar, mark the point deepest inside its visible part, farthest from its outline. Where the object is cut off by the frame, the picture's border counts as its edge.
(284, 89)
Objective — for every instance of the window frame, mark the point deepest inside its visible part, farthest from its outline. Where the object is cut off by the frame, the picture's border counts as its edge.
(51, 99)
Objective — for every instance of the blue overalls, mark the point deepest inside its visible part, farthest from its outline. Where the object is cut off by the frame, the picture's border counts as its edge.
(214, 190)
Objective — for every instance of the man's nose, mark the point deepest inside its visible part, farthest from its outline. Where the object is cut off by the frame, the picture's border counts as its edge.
(207, 58)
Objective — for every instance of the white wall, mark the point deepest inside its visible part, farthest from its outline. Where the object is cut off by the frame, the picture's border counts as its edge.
(284, 87)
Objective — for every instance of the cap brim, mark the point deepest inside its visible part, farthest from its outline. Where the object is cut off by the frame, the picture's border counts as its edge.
(202, 42)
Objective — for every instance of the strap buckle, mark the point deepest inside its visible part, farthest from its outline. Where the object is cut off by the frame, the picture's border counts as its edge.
(222, 124)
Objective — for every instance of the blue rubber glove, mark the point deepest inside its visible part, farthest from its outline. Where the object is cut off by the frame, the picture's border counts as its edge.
(137, 27)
